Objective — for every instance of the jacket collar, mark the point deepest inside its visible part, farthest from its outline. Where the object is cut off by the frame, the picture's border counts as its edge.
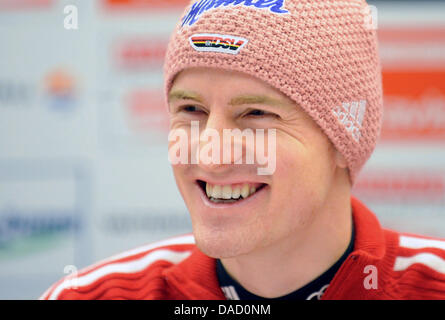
(373, 250)
(195, 278)
(369, 235)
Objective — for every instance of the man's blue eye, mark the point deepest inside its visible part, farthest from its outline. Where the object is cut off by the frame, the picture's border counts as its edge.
(257, 113)
(261, 113)
(191, 109)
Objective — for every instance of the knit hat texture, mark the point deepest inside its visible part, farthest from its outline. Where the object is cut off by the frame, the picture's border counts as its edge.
(321, 54)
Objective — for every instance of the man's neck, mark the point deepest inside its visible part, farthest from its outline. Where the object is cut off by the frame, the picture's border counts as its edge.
(286, 266)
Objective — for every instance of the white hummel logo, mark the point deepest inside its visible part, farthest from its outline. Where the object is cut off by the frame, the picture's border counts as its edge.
(318, 294)
(351, 115)
(230, 293)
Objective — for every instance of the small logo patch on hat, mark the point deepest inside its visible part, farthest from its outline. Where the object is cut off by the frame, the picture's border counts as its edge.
(351, 115)
(208, 42)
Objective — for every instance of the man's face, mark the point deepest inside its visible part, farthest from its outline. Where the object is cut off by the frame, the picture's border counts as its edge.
(283, 204)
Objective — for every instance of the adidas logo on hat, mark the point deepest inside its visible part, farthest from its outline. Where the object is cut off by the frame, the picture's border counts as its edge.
(351, 115)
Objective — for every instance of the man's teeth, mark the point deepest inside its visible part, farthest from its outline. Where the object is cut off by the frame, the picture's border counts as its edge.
(228, 192)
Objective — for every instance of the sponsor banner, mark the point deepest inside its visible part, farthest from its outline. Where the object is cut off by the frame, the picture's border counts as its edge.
(414, 106)
(148, 221)
(60, 90)
(407, 200)
(131, 105)
(145, 111)
(407, 186)
(55, 90)
(414, 84)
(137, 5)
(16, 93)
(118, 231)
(132, 119)
(43, 204)
(46, 115)
(24, 4)
(412, 48)
(139, 53)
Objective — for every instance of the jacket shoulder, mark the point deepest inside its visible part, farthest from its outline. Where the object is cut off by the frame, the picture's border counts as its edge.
(134, 274)
(418, 268)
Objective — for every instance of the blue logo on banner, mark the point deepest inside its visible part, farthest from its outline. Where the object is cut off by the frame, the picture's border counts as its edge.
(201, 6)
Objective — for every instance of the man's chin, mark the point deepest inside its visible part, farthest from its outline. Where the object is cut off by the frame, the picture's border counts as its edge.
(221, 245)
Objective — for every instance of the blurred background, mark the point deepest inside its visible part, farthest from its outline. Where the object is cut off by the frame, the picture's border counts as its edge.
(83, 132)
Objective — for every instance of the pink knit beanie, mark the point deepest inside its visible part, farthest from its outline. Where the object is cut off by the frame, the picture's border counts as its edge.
(321, 54)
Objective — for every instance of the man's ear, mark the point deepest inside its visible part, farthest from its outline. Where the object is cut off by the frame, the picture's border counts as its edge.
(340, 160)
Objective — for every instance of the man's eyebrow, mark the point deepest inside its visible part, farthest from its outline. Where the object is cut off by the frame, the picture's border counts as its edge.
(257, 99)
(237, 101)
(184, 95)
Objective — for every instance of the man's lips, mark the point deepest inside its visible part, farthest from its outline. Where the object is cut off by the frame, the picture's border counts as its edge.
(229, 193)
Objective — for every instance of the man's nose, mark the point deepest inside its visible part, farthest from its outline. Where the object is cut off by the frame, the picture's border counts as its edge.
(215, 152)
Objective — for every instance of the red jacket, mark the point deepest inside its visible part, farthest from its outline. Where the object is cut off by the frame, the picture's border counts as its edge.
(383, 265)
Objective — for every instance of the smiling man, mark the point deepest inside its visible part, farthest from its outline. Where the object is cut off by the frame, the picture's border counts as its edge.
(301, 212)
(309, 71)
